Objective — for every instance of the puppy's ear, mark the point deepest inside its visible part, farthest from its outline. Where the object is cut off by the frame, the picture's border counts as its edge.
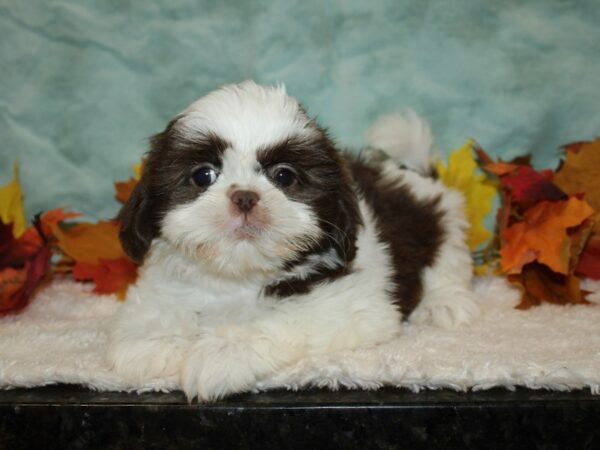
(347, 222)
(138, 227)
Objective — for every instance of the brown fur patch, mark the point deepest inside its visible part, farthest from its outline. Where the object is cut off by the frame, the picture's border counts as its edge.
(324, 183)
(166, 182)
(410, 227)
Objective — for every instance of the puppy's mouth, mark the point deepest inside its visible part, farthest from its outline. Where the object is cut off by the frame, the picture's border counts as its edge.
(248, 231)
(246, 227)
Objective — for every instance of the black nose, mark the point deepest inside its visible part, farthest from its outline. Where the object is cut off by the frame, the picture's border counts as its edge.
(245, 200)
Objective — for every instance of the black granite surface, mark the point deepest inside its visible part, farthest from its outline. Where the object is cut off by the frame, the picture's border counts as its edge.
(70, 417)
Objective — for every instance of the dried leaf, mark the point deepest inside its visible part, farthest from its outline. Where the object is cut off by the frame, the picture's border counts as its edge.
(580, 173)
(89, 242)
(574, 146)
(111, 276)
(501, 168)
(528, 186)
(589, 261)
(32, 238)
(14, 252)
(22, 268)
(95, 254)
(462, 175)
(37, 268)
(539, 284)
(7, 244)
(12, 283)
(542, 235)
(125, 188)
(138, 169)
(481, 156)
(11, 203)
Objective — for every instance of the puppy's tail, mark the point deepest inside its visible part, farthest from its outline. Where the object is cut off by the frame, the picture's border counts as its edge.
(407, 139)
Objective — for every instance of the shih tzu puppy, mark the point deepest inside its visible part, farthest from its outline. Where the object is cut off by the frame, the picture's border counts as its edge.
(260, 243)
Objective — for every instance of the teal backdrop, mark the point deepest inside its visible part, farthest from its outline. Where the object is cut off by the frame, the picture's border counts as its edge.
(84, 83)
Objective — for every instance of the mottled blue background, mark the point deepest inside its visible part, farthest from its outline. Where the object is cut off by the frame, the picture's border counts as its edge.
(84, 83)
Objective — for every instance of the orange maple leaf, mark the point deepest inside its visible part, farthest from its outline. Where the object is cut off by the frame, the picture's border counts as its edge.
(500, 168)
(32, 238)
(111, 276)
(89, 242)
(542, 235)
(124, 189)
(94, 253)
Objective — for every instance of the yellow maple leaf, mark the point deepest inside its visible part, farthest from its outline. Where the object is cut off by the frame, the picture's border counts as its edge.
(462, 175)
(11, 204)
(138, 169)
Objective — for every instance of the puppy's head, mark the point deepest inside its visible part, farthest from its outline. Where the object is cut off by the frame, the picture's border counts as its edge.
(244, 181)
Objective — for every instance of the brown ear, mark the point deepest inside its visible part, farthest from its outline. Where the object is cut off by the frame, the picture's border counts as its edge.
(347, 222)
(138, 224)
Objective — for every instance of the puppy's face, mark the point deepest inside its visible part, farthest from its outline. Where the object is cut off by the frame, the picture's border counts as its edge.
(244, 182)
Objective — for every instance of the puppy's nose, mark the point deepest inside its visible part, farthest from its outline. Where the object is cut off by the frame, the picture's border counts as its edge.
(245, 200)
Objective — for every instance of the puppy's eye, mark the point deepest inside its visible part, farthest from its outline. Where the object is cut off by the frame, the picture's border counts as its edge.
(204, 176)
(284, 177)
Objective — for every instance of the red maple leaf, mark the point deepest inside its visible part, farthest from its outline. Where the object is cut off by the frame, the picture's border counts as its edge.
(22, 267)
(529, 186)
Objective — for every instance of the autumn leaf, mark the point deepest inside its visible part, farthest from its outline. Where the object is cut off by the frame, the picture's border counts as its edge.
(32, 238)
(93, 253)
(11, 203)
(89, 242)
(125, 188)
(55, 216)
(138, 169)
(580, 173)
(542, 235)
(7, 245)
(22, 268)
(461, 174)
(574, 146)
(109, 275)
(589, 261)
(527, 185)
(500, 168)
(12, 283)
(539, 284)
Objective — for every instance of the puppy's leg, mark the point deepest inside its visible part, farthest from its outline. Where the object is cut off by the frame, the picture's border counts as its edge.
(232, 358)
(148, 341)
(448, 300)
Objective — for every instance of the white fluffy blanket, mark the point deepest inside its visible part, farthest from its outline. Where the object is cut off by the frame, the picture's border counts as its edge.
(61, 336)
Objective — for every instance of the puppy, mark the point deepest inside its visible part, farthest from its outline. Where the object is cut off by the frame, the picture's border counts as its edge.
(260, 243)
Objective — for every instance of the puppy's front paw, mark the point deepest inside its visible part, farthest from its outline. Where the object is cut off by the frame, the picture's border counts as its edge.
(140, 360)
(447, 308)
(217, 367)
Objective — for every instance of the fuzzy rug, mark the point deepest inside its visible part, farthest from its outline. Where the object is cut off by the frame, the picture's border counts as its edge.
(60, 338)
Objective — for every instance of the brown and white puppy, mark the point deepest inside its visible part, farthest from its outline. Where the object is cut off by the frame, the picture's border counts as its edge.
(261, 243)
